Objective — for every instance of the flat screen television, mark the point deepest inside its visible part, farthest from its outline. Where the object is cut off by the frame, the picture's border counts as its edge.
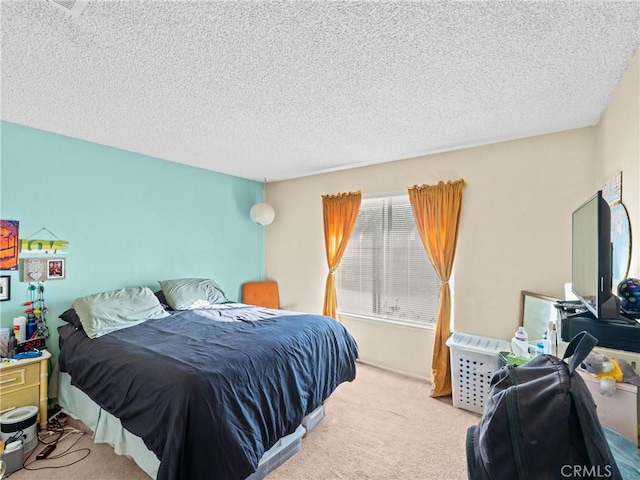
(591, 268)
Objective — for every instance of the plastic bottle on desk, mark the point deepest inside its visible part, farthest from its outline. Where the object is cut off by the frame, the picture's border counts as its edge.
(32, 328)
(551, 342)
(13, 344)
(20, 328)
(520, 344)
(521, 334)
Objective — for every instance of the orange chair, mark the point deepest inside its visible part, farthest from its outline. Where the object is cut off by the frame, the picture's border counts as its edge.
(262, 294)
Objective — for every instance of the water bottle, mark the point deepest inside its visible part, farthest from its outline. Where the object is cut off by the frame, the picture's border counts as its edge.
(521, 334)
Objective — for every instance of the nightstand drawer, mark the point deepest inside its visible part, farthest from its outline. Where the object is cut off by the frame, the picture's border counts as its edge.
(12, 379)
(21, 398)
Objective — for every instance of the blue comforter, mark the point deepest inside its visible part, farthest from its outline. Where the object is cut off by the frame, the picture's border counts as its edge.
(209, 391)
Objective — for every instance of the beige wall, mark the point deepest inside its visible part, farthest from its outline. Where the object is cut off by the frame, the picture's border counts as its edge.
(515, 231)
(618, 149)
(514, 234)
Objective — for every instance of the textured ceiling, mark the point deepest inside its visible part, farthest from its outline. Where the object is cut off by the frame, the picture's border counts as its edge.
(278, 90)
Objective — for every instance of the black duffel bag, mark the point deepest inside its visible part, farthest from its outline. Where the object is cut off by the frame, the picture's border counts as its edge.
(540, 422)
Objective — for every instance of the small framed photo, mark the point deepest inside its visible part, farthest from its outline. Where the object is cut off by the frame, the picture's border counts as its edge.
(5, 288)
(55, 269)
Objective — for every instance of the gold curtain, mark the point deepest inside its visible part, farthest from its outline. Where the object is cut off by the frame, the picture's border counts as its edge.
(437, 212)
(339, 212)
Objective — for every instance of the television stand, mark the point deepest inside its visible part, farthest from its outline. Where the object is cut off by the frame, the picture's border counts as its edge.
(618, 333)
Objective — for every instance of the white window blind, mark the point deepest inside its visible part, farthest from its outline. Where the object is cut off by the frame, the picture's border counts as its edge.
(385, 271)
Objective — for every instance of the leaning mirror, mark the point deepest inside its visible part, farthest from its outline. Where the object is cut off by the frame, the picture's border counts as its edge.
(536, 311)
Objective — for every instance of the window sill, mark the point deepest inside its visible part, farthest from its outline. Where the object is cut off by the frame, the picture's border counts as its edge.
(385, 321)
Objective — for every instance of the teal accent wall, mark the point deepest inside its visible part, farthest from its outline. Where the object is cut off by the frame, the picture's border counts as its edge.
(130, 219)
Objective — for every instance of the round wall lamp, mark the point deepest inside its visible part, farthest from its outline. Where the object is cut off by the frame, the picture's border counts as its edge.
(262, 213)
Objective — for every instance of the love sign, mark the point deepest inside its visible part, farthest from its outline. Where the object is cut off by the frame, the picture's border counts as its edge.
(43, 246)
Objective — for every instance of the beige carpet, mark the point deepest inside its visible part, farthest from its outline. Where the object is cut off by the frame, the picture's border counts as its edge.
(101, 464)
(381, 426)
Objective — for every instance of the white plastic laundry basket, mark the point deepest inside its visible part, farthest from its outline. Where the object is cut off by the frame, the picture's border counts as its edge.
(474, 360)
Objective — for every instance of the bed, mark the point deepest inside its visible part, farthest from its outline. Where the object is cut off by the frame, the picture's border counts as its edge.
(209, 389)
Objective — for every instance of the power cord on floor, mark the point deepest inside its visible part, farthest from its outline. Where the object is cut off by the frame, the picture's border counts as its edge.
(59, 431)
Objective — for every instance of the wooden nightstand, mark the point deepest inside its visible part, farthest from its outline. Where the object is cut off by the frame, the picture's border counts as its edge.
(25, 382)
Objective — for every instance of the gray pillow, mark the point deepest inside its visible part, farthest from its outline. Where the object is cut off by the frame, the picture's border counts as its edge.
(192, 293)
(106, 312)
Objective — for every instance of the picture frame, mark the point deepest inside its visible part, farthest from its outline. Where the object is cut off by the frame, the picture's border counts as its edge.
(5, 288)
(38, 269)
(56, 268)
(9, 242)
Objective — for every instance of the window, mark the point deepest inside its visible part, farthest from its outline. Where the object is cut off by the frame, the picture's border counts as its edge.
(385, 271)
